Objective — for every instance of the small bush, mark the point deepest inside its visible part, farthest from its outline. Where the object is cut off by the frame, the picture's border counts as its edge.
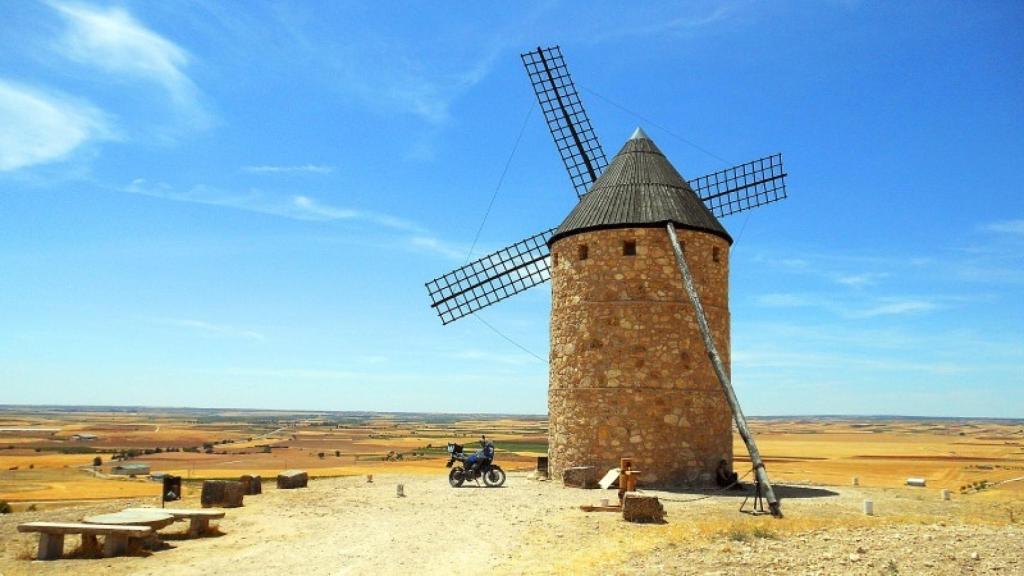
(5, 508)
(737, 534)
(764, 533)
(97, 461)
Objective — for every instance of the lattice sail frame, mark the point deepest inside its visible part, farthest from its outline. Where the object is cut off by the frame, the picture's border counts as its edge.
(575, 138)
(492, 278)
(742, 187)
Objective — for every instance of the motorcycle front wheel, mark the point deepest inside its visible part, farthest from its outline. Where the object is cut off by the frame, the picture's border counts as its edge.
(494, 477)
(456, 477)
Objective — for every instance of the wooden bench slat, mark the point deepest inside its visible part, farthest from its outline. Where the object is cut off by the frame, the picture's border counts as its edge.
(79, 528)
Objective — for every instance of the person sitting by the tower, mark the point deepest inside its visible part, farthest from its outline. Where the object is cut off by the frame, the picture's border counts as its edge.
(484, 455)
(725, 477)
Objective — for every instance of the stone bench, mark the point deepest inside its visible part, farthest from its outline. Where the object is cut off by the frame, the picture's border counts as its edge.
(199, 520)
(117, 539)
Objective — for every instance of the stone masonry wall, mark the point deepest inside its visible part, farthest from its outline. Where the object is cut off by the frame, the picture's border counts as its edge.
(629, 372)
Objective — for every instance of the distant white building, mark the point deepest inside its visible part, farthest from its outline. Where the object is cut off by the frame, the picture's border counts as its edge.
(29, 431)
(132, 469)
(84, 437)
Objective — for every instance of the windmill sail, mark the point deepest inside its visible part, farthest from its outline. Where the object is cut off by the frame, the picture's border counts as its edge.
(491, 279)
(567, 119)
(742, 187)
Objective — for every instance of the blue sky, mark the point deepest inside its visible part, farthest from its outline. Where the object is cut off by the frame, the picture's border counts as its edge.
(205, 204)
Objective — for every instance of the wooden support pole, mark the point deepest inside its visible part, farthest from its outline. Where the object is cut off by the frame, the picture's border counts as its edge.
(723, 378)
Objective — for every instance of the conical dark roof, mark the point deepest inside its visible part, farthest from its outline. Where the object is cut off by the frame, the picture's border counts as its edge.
(639, 189)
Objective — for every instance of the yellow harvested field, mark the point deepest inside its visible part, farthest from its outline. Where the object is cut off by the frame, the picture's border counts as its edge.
(51, 466)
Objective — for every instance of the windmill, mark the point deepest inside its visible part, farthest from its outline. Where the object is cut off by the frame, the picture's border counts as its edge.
(639, 273)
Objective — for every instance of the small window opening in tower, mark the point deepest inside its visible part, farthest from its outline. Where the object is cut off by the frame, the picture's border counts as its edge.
(583, 251)
(554, 259)
(714, 254)
(629, 248)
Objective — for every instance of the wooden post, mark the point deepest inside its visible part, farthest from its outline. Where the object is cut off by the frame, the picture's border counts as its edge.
(723, 378)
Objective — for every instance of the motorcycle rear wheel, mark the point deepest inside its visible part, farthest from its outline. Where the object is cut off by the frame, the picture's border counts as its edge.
(456, 477)
(494, 477)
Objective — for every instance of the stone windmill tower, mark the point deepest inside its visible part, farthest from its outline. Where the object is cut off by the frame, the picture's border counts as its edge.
(634, 364)
(629, 374)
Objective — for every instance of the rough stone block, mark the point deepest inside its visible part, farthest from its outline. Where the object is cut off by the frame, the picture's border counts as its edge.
(251, 484)
(580, 477)
(640, 508)
(292, 479)
(222, 494)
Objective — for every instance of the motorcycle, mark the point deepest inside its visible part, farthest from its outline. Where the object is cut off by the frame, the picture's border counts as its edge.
(474, 466)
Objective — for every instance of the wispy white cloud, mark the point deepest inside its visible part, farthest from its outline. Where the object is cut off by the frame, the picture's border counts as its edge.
(1014, 227)
(773, 358)
(411, 237)
(651, 27)
(209, 329)
(274, 169)
(493, 358)
(294, 206)
(895, 307)
(112, 40)
(858, 308)
(860, 280)
(432, 244)
(405, 85)
(37, 127)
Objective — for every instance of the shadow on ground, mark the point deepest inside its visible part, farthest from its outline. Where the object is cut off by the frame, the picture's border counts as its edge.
(781, 491)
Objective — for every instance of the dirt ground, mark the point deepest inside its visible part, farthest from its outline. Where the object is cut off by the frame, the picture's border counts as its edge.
(348, 526)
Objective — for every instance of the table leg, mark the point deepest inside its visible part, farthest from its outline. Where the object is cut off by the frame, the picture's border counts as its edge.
(115, 545)
(51, 546)
(90, 546)
(198, 526)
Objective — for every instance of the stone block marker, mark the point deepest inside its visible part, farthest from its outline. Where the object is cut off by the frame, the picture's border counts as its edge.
(290, 479)
(251, 485)
(640, 508)
(580, 477)
(222, 494)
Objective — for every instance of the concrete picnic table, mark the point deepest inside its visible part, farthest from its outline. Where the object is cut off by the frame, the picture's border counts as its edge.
(155, 519)
(199, 519)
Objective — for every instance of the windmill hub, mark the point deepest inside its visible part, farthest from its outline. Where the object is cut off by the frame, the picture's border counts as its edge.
(629, 374)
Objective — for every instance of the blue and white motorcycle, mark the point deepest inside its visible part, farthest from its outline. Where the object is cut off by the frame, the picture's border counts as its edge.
(474, 466)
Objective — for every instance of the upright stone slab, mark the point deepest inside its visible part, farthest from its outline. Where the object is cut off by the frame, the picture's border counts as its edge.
(640, 508)
(234, 493)
(290, 479)
(222, 494)
(251, 484)
(580, 477)
(212, 494)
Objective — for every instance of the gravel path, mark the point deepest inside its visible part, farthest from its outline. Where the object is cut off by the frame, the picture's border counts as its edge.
(347, 526)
